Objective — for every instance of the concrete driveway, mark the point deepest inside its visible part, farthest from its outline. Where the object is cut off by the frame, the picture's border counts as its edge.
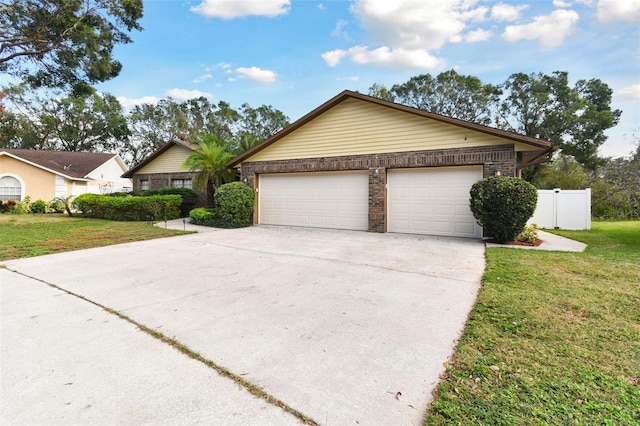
(342, 327)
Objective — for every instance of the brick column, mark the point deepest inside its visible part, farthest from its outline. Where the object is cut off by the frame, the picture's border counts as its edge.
(377, 198)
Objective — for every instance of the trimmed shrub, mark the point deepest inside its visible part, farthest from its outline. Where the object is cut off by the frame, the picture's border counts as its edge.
(234, 204)
(502, 205)
(56, 206)
(21, 207)
(157, 207)
(39, 206)
(203, 216)
(189, 196)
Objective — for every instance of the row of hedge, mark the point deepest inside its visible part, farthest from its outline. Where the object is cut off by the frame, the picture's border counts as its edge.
(154, 207)
(189, 196)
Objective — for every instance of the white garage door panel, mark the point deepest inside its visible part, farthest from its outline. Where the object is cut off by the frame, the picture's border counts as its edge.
(320, 200)
(433, 201)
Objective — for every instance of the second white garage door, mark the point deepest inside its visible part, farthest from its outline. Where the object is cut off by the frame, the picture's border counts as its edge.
(319, 200)
(432, 201)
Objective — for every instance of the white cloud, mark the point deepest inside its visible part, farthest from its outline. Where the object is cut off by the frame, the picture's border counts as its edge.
(630, 92)
(561, 3)
(129, 103)
(416, 24)
(321, 6)
(184, 94)
(229, 9)
(507, 12)
(202, 78)
(386, 57)
(350, 78)
(257, 74)
(569, 3)
(619, 10)
(334, 57)
(551, 29)
(339, 31)
(477, 35)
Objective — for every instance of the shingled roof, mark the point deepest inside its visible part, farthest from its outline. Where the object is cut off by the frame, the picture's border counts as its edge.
(75, 165)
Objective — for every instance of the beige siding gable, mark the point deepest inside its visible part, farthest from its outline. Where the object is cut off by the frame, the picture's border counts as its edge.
(170, 161)
(355, 127)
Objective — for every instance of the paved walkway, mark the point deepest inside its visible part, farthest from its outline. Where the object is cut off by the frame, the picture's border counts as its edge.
(549, 242)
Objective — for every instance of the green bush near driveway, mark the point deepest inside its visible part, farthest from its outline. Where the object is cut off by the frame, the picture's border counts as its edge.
(203, 216)
(234, 207)
(502, 205)
(156, 207)
(234, 204)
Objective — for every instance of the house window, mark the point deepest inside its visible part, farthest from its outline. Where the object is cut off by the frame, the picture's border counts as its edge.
(10, 189)
(144, 184)
(181, 183)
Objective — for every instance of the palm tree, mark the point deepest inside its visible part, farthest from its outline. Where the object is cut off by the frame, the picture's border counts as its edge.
(246, 141)
(208, 161)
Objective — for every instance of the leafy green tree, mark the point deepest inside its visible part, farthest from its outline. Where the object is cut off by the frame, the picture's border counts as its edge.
(94, 122)
(154, 125)
(382, 92)
(459, 96)
(65, 43)
(209, 162)
(170, 119)
(564, 172)
(616, 192)
(545, 106)
(261, 122)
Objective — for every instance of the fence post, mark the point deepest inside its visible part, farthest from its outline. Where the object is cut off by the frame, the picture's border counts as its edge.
(588, 207)
(556, 191)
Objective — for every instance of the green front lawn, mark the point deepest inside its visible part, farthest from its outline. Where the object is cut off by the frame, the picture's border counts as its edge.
(29, 235)
(553, 339)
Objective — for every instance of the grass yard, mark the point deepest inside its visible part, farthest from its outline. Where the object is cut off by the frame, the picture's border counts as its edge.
(553, 339)
(29, 235)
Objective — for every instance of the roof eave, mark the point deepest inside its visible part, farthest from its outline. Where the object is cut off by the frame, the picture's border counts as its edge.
(538, 157)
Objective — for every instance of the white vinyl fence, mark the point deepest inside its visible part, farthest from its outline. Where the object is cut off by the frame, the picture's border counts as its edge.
(563, 209)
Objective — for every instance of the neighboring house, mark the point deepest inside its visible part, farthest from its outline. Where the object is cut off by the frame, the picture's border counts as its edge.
(46, 175)
(362, 163)
(165, 169)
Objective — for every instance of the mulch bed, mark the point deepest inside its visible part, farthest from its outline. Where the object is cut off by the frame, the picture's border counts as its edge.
(517, 243)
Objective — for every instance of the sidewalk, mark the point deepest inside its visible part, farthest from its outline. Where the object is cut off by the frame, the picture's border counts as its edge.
(185, 225)
(549, 242)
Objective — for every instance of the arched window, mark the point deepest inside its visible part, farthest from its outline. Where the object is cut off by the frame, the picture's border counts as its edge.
(10, 189)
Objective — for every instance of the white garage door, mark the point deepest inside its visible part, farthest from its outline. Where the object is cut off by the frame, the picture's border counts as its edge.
(432, 201)
(319, 200)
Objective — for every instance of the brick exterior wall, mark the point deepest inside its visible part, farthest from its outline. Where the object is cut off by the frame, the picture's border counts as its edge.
(492, 158)
(163, 180)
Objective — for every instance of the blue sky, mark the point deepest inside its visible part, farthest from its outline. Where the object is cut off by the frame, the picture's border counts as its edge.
(297, 54)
